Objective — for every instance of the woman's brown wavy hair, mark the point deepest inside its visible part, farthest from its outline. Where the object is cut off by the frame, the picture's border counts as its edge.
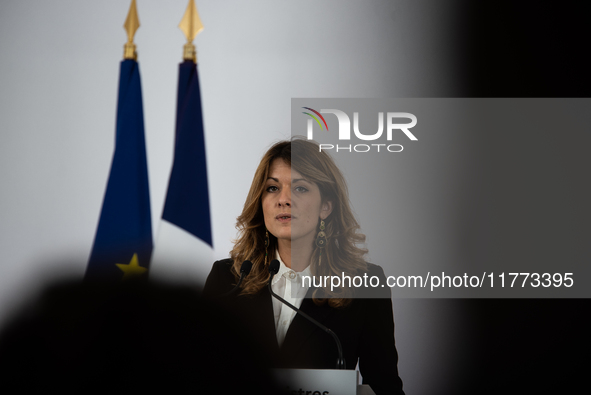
(341, 254)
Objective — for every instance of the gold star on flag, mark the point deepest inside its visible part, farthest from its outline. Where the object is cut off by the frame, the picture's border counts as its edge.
(132, 269)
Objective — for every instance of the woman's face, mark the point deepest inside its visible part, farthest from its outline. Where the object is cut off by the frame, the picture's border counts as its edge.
(292, 206)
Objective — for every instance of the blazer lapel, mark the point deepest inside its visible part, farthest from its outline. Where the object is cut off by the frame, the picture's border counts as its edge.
(259, 312)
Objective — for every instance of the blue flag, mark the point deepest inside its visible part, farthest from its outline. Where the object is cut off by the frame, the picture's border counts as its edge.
(187, 200)
(183, 247)
(123, 241)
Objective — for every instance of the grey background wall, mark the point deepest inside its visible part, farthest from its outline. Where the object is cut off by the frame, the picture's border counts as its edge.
(59, 66)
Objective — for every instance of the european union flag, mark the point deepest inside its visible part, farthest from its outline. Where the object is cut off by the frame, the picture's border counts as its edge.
(123, 241)
(183, 248)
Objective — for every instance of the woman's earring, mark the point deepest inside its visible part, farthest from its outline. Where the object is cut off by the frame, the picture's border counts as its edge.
(266, 245)
(321, 241)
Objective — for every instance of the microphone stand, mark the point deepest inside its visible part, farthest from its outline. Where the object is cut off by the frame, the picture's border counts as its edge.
(273, 269)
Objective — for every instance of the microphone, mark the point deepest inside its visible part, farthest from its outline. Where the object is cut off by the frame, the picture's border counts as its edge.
(244, 271)
(273, 269)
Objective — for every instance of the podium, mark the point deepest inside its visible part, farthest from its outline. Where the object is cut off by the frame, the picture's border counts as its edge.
(321, 382)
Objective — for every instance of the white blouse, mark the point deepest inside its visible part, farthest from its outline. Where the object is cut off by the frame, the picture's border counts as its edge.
(287, 283)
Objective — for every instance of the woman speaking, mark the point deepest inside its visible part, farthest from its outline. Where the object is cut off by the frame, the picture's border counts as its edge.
(297, 212)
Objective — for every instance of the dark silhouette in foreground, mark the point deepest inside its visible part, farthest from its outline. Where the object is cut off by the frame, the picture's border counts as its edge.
(129, 338)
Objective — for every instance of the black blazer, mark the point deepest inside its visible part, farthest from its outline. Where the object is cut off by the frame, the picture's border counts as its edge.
(365, 329)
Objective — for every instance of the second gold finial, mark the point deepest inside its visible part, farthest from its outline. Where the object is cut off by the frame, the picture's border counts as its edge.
(132, 23)
(191, 26)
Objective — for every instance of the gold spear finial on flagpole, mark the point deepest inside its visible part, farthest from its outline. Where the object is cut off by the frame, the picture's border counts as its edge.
(132, 23)
(191, 26)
